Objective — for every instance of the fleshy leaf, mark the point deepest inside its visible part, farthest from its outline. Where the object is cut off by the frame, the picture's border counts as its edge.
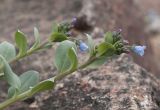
(7, 50)
(109, 37)
(28, 80)
(105, 49)
(42, 86)
(11, 92)
(57, 37)
(21, 42)
(37, 38)
(62, 61)
(12, 79)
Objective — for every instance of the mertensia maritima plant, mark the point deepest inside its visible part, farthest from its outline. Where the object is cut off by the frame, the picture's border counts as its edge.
(65, 58)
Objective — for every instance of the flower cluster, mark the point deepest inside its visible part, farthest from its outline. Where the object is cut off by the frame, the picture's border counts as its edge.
(120, 45)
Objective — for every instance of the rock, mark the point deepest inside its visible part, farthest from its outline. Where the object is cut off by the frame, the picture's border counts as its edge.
(153, 22)
(119, 85)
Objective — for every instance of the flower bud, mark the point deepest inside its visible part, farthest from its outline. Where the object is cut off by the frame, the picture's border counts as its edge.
(83, 46)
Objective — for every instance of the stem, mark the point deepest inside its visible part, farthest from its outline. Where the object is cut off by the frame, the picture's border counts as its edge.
(14, 99)
(29, 93)
(62, 75)
(29, 52)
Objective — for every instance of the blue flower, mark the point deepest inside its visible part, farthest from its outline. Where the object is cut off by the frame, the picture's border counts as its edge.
(83, 46)
(139, 50)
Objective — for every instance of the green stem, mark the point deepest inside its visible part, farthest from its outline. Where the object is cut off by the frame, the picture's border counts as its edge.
(29, 52)
(62, 75)
(28, 93)
(10, 101)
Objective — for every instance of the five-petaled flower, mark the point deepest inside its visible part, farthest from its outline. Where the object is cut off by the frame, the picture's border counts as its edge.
(83, 46)
(139, 50)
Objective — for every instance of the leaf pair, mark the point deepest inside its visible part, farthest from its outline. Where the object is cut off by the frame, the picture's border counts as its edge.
(28, 80)
(102, 51)
(17, 84)
(65, 60)
(12, 79)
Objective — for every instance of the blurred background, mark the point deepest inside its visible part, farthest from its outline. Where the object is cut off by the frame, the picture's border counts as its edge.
(139, 20)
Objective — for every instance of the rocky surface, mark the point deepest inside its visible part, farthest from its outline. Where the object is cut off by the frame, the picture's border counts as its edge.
(119, 85)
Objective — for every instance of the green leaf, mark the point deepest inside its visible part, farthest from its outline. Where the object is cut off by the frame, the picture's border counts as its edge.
(42, 86)
(37, 38)
(109, 37)
(57, 37)
(7, 50)
(11, 92)
(12, 79)
(54, 27)
(97, 63)
(62, 61)
(91, 45)
(28, 80)
(21, 42)
(1, 75)
(105, 48)
(73, 59)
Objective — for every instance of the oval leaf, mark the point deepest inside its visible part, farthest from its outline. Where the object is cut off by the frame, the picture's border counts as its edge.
(11, 92)
(42, 86)
(62, 62)
(21, 42)
(7, 50)
(109, 37)
(12, 79)
(57, 37)
(105, 48)
(28, 79)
